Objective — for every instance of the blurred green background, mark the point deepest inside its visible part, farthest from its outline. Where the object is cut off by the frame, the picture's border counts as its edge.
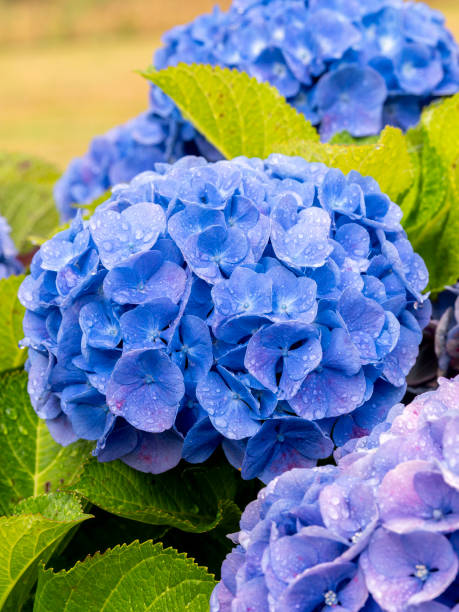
(66, 66)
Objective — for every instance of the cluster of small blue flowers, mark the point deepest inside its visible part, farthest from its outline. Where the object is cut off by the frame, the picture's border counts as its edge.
(379, 532)
(352, 65)
(273, 307)
(8, 263)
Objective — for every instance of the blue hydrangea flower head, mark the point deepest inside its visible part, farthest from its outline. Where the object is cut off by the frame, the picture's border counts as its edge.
(8, 262)
(271, 307)
(379, 531)
(347, 65)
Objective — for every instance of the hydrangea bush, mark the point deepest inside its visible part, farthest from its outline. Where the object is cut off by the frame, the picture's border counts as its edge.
(346, 64)
(9, 264)
(273, 307)
(377, 532)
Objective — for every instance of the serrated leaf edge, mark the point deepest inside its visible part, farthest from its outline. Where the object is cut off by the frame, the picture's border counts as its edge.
(122, 547)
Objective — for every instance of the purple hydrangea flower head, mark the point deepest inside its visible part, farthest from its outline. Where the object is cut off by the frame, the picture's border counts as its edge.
(270, 307)
(378, 532)
(8, 262)
(346, 65)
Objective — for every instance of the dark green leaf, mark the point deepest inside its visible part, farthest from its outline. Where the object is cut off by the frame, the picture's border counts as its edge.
(195, 498)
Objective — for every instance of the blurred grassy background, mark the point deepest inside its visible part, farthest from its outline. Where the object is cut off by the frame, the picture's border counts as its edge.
(67, 66)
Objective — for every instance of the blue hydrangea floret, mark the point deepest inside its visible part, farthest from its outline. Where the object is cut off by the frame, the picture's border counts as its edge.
(9, 264)
(271, 307)
(377, 532)
(345, 64)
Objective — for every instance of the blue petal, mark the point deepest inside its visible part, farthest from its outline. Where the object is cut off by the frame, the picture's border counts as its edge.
(146, 388)
(100, 325)
(145, 277)
(201, 441)
(282, 444)
(245, 292)
(192, 346)
(142, 327)
(328, 393)
(156, 453)
(120, 235)
(227, 409)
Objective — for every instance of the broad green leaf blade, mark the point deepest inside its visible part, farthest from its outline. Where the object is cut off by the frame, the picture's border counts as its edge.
(195, 499)
(388, 160)
(26, 197)
(236, 113)
(441, 121)
(28, 537)
(11, 316)
(432, 204)
(436, 241)
(137, 577)
(31, 462)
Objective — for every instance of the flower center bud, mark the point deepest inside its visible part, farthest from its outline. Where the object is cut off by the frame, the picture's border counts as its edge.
(279, 70)
(330, 598)
(421, 572)
(356, 537)
(437, 514)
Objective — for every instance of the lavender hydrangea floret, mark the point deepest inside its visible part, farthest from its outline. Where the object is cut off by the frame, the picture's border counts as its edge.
(379, 531)
(226, 303)
(346, 65)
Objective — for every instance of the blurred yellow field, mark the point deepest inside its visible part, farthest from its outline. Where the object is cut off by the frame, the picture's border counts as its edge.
(68, 67)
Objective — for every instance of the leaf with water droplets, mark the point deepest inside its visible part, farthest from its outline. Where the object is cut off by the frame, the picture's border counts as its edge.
(11, 315)
(32, 463)
(29, 536)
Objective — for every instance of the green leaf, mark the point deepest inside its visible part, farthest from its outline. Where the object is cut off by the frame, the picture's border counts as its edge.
(344, 138)
(388, 160)
(236, 113)
(29, 536)
(11, 316)
(441, 122)
(26, 197)
(195, 499)
(432, 205)
(32, 463)
(137, 577)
